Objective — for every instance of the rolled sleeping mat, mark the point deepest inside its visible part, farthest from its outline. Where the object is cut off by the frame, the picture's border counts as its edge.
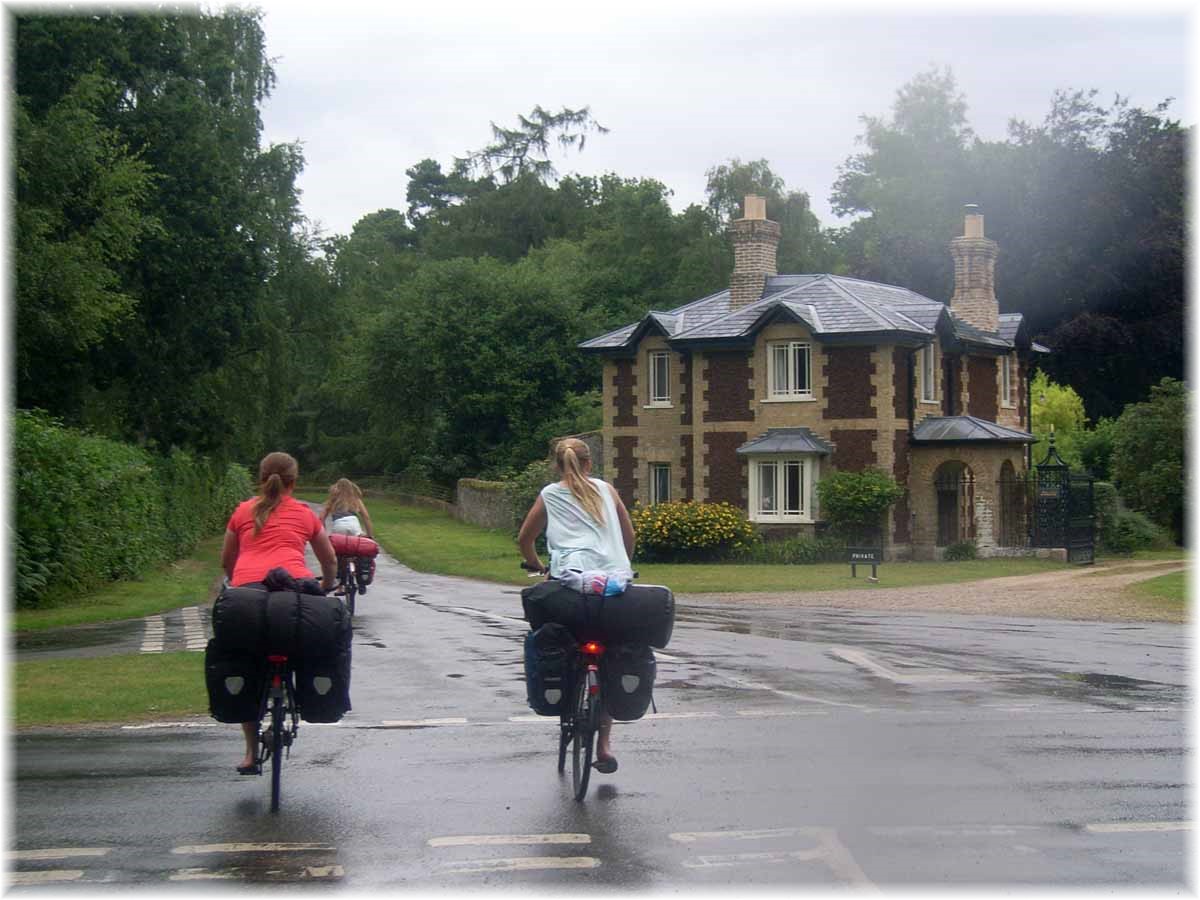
(353, 545)
(259, 622)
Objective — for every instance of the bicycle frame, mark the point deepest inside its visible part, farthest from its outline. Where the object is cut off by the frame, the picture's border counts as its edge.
(580, 719)
(278, 699)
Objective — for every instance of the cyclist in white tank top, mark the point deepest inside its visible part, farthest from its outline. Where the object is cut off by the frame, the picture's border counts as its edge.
(587, 527)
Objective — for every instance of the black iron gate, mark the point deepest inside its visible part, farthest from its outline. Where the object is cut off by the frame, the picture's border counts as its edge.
(1064, 513)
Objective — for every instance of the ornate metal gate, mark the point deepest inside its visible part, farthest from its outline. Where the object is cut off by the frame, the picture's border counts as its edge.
(1063, 509)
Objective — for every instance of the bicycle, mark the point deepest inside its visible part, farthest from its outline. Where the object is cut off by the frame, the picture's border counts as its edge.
(349, 579)
(355, 555)
(279, 696)
(579, 721)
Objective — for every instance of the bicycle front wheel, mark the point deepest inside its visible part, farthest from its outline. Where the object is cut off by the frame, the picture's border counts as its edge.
(583, 739)
(277, 715)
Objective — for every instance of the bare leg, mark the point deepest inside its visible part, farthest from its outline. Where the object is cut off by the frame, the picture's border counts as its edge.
(250, 732)
(603, 735)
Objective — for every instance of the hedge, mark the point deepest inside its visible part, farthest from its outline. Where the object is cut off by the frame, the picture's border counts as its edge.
(91, 510)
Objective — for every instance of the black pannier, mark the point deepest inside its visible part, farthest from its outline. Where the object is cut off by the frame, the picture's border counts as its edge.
(548, 656)
(627, 673)
(253, 620)
(234, 680)
(323, 687)
(643, 614)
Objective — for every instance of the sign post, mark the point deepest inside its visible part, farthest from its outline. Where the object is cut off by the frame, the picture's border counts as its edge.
(862, 556)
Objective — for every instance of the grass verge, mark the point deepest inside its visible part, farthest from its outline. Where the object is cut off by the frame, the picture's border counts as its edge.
(430, 541)
(185, 582)
(1169, 589)
(136, 687)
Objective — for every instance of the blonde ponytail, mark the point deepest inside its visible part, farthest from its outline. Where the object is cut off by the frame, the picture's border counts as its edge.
(276, 473)
(568, 456)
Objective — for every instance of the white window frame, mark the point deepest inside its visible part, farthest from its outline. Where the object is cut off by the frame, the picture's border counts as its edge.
(655, 470)
(928, 374)
(789, 391)
(1006, 381)
(808, 468)
(659, 394)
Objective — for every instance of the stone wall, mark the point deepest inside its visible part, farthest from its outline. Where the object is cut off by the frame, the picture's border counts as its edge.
(482, 503)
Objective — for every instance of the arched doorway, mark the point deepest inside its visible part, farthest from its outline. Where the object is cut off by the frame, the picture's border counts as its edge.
(955, 486)
(1011, 517)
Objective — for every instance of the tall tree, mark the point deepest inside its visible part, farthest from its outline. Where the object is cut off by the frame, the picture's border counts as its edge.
(519, 151)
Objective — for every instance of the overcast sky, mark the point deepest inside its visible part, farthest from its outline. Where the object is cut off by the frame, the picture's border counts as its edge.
(369, 90)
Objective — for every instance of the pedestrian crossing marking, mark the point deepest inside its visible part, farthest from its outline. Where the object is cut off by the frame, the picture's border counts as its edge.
(46, 876)
(188, 849)
(1117, 827)
(56, 853)
(522, 864)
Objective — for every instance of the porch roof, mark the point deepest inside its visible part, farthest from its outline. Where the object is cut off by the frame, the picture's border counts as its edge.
(945, 429)
(786, 440)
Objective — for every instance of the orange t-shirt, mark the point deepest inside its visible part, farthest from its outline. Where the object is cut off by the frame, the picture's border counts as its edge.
(289, 527)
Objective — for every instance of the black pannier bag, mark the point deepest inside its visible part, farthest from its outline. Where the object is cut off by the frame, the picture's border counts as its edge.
(643, 614)
(234, 680)
(253, 620)
(627, 673)
(323, 687)
(548, 655)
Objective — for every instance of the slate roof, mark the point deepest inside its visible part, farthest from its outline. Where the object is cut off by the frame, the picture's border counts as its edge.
(969, 429)
(832, 307)
(786, 440)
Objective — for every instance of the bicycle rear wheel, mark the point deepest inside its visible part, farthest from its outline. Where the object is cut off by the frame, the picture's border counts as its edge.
(276, 749)
(583, 738)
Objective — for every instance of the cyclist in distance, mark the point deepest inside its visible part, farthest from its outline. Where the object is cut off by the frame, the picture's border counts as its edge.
(345, 510)
(587, 527)
(271, 531)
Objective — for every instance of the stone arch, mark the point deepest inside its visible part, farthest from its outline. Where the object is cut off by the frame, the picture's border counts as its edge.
(954, 485)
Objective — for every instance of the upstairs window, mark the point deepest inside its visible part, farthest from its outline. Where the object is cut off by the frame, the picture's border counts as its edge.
(928, 378)
(788, 370)
(660, 483)
(1006, 380)
(660, 378)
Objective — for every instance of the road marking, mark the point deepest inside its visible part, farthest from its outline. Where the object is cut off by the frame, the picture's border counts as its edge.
(486, 615)
(146, 725)
(658, 654)
(193, 629)
(248, 848)
(203, 874)
(679, 715)
(47, 876)
(155, 633)
(690, 837)
(323, 872)
(772, 713)
(954, 830)
(527, 719)
(417, 723)
(56, 853)
(862, 660)
(1115, 827)
(741, 859)
(522, 863)
(793, 695)
(465, 840)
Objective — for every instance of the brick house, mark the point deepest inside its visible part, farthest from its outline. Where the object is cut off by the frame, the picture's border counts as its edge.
(749, 395)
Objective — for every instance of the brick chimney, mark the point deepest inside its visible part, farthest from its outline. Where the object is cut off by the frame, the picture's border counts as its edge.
(755, 240)
(974, 299)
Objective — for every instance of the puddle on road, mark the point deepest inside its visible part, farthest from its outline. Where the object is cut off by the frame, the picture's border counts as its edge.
(1113, 682)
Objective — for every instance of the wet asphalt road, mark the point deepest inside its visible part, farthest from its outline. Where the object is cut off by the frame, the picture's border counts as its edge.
(814, 747)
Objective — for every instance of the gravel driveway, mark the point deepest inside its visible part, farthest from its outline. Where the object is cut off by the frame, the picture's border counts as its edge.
(1085, 592)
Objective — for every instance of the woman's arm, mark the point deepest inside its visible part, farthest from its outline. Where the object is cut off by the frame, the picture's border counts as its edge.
(328, 559)
(362, 507)
(229, 553)
(626, 523)
(534, 524)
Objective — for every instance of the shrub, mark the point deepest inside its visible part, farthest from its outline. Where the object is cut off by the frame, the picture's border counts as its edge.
(522, 488)
(960, 551)
(1127, 531)
(796, 550)
(684, 531)
(854, 502)
(90, 510)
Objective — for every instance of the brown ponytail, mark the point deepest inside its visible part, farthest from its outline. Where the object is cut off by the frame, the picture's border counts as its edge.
(276, 474)
(569, 455)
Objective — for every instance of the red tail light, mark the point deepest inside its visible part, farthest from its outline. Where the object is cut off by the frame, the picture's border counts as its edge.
(593, 649)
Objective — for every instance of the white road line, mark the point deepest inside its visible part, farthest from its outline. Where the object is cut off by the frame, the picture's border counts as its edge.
(1117, 827)
(861, 659)
(323, 872)
(954, 830)
(658, 654)
(486, 615)
(56, 853)
(744, 859)
(417, 723)
(189, 849)
(680, 715)
(155, 633)
(690, 837)
(774, 713)
(793, 695)
(522, 863)
(201, 874)
(148, 725)
(468, 840)
(526, 720)
(46, 876)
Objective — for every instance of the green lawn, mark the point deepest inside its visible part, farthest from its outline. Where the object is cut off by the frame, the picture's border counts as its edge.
(186, 582)
(1171, 588)
(430, 541)
(109, 688)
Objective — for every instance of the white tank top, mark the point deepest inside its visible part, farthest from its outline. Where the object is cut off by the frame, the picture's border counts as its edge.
(575, 539)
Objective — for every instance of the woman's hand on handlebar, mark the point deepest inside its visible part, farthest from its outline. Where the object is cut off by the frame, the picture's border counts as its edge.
(534, 568)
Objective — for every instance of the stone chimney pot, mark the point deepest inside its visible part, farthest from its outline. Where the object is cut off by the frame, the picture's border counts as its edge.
(974, 299)
(755, 207)
(973, 226)
(755, 242)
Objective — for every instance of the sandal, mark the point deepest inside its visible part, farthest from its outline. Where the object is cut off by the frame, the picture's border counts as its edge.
(252, 769)
(605, 766)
